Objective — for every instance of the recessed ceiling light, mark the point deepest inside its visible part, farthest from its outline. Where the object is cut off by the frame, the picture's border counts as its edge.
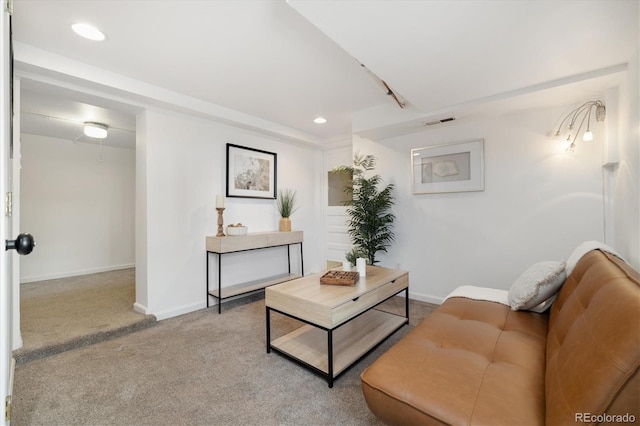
(319, 120)
(88, 31)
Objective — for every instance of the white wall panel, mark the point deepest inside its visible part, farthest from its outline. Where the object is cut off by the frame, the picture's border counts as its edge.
(626, 174)
(79, 210)
(538, 204)
(186, 167)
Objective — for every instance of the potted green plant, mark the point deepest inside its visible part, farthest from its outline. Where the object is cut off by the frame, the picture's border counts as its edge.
(370, 223)
(286, 205)
(354, 254)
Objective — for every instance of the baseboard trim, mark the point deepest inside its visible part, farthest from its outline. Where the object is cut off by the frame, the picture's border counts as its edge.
(426, 298)
(185, 309)
(139, 308)
(25, 280)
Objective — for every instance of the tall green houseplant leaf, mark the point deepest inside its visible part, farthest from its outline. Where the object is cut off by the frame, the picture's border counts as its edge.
(370, 223)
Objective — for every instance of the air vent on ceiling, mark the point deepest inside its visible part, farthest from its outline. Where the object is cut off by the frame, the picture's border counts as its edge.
(439, 121)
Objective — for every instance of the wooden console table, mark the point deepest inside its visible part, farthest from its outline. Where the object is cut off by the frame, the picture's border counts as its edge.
(251, 241)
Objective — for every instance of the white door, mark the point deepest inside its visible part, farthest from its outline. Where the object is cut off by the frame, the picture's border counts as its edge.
(23, 243)
(5, 227)
(336, 237)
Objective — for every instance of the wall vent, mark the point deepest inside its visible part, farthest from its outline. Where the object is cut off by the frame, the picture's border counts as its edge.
(439, 121)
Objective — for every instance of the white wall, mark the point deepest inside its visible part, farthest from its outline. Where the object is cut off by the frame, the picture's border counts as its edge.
(142, 295)
(538, 204)
(185, 169)
(80, 211)
(626, 184)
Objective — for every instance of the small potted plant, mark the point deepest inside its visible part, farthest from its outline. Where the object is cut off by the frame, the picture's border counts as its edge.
(354, 254)
(286, 204)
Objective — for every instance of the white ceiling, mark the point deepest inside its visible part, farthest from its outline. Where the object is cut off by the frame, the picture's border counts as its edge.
(288, 62)
(52, 111)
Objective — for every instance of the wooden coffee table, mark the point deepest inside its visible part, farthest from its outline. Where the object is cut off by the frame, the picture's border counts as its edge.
(341, 324)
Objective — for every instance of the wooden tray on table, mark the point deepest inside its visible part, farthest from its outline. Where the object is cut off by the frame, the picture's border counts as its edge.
(349, 278)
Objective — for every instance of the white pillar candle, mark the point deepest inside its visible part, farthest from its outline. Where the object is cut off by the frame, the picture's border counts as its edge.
(219, 201)
(361, 266)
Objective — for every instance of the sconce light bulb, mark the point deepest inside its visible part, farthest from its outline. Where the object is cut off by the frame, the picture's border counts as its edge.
(588, 136)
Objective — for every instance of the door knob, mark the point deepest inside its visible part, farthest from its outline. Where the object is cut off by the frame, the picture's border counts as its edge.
(24, 244)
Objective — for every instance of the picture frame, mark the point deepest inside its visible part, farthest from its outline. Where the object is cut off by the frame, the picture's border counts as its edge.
(454, 167)
(251, 173)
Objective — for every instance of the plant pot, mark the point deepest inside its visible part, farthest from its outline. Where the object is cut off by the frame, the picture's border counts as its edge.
(285, 224)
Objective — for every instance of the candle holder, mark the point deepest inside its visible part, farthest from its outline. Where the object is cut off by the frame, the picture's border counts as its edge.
(220, 222)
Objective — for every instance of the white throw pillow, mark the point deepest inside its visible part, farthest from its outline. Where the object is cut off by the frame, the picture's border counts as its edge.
(538, 283)
(544, 305)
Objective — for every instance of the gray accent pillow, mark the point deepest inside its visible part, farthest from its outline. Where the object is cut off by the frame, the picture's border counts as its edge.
(538, 283)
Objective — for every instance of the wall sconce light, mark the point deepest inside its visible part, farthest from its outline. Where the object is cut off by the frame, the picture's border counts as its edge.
(95, 130)
(573, 117)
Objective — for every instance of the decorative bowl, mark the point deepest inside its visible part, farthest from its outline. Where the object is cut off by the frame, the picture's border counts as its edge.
(234, 231)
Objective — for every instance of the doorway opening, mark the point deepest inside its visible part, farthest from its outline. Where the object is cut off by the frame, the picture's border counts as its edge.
(77, 198)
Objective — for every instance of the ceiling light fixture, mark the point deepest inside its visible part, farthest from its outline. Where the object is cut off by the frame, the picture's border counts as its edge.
(95, 130)
(573, 117)
(319, 120)
(88, 31)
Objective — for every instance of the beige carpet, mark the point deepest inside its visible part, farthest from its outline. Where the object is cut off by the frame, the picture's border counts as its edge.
(200, 368)
(57, 315)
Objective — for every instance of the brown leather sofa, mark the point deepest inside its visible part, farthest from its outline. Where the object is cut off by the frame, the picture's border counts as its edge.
(477, 362)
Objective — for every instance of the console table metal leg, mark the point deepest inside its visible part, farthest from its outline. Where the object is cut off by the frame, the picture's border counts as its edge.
(219, 283)
(301, 261)
(330, 357)
(268, 318)
(289, 257)
(207, 296)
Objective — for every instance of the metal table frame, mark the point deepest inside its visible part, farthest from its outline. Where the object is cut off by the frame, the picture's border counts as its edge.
(219, 297)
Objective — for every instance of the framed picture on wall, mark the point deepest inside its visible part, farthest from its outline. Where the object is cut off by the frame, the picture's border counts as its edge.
(251, 173)
(455, 167)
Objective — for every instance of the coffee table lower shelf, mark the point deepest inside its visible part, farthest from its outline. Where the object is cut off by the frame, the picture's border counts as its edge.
(330, 352)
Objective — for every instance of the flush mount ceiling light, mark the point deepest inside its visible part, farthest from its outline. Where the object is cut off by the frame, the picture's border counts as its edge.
(319, 120)
(88, 31)
(574, 117)
(95, 130)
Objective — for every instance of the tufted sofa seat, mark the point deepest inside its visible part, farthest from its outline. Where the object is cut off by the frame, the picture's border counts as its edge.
(479, 362)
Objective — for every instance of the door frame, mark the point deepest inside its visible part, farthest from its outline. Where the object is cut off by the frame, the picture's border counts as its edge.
(15, 217)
